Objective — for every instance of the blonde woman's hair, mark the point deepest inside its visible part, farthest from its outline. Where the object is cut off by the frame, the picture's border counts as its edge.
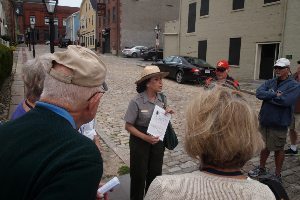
(222, 129)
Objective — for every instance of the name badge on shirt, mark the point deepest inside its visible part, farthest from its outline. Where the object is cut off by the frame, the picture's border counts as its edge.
(144, 111)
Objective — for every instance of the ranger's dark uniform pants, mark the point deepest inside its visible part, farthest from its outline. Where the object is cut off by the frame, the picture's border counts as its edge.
(146, 162)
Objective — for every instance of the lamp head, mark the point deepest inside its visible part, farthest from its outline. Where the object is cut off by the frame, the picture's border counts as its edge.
(50, 5)
(157, 29)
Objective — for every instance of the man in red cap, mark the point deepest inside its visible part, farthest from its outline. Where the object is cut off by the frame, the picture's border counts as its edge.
(222, 77)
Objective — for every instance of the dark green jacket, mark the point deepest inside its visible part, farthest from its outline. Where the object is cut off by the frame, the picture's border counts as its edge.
(43, 157)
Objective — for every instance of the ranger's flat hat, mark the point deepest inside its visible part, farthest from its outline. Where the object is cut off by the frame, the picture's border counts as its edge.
(88, 69)
(150, 71)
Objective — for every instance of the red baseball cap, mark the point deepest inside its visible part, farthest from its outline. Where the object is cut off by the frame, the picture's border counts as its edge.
(223, 64)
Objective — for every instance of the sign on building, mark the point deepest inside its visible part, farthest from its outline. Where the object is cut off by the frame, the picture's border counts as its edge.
(101, 8)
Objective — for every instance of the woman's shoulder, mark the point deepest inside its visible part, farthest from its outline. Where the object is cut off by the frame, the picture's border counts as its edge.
(138, 97)
(183, 186)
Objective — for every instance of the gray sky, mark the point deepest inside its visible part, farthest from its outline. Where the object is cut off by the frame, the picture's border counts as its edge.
(72, 3)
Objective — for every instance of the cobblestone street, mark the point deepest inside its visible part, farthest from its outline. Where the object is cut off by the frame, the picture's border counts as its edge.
(122, 73)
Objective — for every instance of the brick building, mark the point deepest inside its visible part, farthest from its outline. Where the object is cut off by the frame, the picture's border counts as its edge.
(128, 23)
(34, 10)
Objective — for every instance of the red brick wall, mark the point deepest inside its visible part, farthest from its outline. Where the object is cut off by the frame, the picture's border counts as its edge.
(113, 25)
(39, 11)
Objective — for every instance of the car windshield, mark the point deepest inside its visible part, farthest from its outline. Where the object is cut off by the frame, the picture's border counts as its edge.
(195, 61)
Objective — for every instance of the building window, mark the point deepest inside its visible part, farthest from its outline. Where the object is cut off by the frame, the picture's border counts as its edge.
(270, 1)
(204, 10)
(56, 21)
(234, 51)
(32, 20)
(192, 18)
(47, 20)
(114, 14)
(86, 7)
(92, 20)
(238, 4)
(202, 49)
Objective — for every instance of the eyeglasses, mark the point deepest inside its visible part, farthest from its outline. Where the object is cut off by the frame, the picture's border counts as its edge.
(103, 89)
(102, 92)
(221, 69)
(278, 67)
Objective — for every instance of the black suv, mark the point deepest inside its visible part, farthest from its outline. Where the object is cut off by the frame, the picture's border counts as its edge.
(64, 42)
(151, 54)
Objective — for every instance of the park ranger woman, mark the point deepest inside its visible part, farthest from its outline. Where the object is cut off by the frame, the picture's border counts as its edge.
(146, 151)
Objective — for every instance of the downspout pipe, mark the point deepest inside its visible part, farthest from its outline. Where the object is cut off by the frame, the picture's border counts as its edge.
(283, 26)
(179, 26)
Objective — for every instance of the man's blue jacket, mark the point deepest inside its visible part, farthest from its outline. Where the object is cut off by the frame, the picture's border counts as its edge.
(276, 111)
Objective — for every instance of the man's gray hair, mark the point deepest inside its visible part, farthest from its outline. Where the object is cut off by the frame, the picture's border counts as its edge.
(67, 94)
(33, 76)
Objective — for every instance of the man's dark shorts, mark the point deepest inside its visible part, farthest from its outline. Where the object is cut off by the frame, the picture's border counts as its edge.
(275, 139)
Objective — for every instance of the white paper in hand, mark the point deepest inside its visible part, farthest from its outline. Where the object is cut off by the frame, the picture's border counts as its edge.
(159, 122)
(109, 185)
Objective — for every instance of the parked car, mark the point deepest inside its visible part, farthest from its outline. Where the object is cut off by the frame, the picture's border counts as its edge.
(151, 54)
(134, 51)
(63, 42)
(184, 68)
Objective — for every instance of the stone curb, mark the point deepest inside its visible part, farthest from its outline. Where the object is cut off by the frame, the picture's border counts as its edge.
(121, 153)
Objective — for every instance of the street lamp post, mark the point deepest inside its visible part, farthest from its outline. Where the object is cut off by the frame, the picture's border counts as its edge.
(50, 6)
(157, 31)
(33, 39)
(28, 37)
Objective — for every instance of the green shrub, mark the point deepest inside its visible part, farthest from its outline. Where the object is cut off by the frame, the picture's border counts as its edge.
(6, 63)
(123, 170)
(13, 48)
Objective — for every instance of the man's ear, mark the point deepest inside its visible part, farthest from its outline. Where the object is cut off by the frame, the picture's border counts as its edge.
(94, 102)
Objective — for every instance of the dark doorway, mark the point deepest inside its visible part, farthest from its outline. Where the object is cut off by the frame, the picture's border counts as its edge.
(269, 53)
(202, 49)
(107, 41)
(107, 44)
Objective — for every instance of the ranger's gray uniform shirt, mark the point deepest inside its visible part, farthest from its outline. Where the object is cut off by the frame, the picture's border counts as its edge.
(140, 109)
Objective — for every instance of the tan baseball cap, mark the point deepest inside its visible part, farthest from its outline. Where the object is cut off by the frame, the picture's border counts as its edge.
(88, 69)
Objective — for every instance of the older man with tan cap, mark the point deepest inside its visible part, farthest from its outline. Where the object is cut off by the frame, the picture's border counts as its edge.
(42, 154)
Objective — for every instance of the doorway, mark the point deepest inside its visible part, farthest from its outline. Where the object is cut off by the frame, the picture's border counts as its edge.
(268, 56)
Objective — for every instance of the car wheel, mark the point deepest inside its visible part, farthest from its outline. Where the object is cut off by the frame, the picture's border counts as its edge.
(134, 55)
(179, 77)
